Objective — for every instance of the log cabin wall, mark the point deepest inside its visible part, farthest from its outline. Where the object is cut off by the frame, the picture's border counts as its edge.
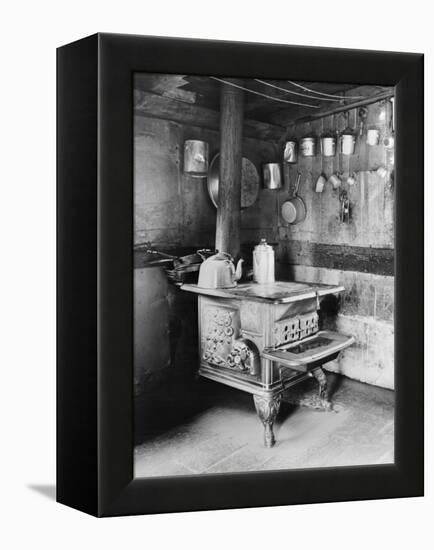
(173, 209)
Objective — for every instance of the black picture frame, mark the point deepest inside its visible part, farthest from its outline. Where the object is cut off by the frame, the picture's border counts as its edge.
(95, 265)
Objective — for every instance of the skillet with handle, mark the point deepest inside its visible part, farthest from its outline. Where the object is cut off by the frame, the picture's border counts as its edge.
(294, 210)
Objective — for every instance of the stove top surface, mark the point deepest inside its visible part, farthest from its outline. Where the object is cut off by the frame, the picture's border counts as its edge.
(278, 292)
(273, 291)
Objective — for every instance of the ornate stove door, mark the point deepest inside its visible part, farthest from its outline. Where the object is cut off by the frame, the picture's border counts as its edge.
(221, 344)
(220, 327)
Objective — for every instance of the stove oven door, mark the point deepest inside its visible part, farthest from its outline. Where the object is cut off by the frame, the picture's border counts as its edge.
(320, 348)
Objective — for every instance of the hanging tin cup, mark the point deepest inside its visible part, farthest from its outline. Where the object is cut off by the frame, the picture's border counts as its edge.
(352, 178)
(347, 142)
(381, 172)
(290, 152)
(389, 141)
(307, 146)
(320, 183)
(272, 173)
(335, 180)
(390, 157)
(328, 145)
(373, 136)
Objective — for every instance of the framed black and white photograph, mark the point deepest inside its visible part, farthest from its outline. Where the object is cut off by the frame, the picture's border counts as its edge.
(240, 256)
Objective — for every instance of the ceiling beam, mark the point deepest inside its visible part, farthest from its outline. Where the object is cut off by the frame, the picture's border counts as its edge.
(347, 107)
(166, 85)
(157, 106)
(371, 94)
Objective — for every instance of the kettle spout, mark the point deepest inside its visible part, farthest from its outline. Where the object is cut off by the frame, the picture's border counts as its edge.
(239, 270)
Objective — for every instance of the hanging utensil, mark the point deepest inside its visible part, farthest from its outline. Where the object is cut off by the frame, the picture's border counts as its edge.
(196, 154)
(347, 142)
(373, 136)
(290, 152)
(328, 144)
(389, 138)
(352, 178)
(344, 213)
(272, 172)
(308, 146)
(363, 115)
(320, 183)
(335, 180)
(392, 101)
(249, 181)
(294, 210)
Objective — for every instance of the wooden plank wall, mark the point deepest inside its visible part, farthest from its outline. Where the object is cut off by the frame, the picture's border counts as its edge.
(359, 255)
(173, 209)
(371, 197)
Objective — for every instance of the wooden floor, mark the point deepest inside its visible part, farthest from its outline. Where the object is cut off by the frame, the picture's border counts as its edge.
(221, 432)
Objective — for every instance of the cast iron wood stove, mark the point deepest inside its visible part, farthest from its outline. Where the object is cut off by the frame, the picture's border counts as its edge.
(262, 339)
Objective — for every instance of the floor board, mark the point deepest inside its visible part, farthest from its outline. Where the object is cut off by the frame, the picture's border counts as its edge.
(215, 430)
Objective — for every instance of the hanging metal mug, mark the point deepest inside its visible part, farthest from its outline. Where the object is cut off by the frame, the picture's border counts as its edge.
(328, 145)
(352, 178)
(272, 175)
(373, 136)
(307, 146)
(335, 180)
(196, 154)
(347, 142)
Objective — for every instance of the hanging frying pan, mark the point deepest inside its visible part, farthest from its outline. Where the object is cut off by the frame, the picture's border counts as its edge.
(294, 210)
(249, 181)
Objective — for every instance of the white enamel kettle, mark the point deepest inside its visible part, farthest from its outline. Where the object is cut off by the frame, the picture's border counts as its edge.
(218, 271)
(263, 263)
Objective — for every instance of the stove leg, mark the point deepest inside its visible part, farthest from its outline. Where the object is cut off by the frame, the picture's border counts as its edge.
(267, 409)
(321, 378)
